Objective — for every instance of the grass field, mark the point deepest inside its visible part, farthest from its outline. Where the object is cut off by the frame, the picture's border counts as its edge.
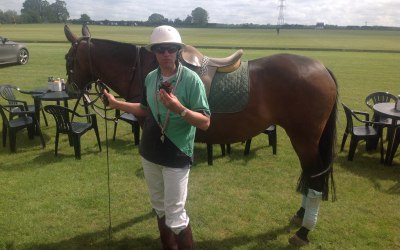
(241, 202)
(237, 38)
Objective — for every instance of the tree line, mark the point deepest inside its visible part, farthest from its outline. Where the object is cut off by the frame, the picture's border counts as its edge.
(41, 11)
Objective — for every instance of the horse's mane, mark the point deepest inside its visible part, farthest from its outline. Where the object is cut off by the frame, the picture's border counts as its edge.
(113, 43)
(117, 52)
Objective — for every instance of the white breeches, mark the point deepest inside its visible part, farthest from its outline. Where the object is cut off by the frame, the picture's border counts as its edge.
(168, 192)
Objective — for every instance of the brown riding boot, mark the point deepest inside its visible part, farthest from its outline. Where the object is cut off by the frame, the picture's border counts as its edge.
(168, 238)
(185, 239)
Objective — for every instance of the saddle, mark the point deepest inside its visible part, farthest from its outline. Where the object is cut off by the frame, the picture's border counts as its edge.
(206, 66)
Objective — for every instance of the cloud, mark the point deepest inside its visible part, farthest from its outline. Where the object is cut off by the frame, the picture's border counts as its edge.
(339, 12)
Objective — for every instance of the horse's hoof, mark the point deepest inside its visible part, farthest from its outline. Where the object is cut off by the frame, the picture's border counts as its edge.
(296, 220)
(297, 241)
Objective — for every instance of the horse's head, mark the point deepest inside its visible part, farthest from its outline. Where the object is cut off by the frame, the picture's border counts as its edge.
(123, 67)
(77, 62)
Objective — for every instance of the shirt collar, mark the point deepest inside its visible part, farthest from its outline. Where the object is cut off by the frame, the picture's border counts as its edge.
(173, 79)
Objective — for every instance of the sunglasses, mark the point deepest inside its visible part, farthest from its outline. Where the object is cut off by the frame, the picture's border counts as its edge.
(162, 49)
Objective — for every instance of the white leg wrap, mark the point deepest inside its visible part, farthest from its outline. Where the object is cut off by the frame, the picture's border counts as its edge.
(312, 206)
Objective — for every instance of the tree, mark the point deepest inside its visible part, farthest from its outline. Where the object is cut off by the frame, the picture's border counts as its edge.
(39, 11)
(33, 11)
(178, 21)
(200, 16)
(9, 16)
(58, 12)
(84, 19)
(188, 20)
(157, 19)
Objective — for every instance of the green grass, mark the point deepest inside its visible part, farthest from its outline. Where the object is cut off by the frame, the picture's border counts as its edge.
(241, 202)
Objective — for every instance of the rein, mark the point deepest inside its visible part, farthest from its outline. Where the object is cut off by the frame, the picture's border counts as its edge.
(138, 74)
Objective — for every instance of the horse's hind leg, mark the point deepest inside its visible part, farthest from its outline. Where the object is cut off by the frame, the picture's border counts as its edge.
(306, 216)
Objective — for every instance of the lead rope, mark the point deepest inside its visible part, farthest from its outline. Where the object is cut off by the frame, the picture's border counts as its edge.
(102, 87)
(108, 179)
(108, 160)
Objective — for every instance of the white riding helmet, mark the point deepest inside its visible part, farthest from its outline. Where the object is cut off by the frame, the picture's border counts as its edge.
(165, 34)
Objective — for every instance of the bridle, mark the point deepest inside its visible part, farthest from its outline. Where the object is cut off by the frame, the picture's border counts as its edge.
(70, 58)
(99, 85)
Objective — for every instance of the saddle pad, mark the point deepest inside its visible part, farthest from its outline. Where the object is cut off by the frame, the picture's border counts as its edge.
(229, 92)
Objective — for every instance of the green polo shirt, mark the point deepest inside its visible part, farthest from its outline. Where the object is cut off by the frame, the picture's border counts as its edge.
(191, 93)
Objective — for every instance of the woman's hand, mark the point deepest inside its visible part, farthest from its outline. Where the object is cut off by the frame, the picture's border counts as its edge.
(170, 101)
(109, 99)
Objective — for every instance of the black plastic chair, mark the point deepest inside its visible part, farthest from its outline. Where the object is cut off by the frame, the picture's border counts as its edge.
(367, 131)
(210, 157)
(395, 146)
(12, 126)
(132, 120)
(379, 97)
(74, 129)
(9, 93)
(272, 140)
(226, 148)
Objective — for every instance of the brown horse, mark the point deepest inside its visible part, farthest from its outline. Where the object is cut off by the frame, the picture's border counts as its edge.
(295, 92)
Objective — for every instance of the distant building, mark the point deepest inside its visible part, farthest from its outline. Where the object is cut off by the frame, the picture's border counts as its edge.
(319, 26)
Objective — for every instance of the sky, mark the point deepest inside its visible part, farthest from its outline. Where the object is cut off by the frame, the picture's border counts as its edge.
(305, 12)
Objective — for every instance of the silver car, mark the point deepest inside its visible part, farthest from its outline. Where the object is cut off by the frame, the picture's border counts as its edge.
(12, 52)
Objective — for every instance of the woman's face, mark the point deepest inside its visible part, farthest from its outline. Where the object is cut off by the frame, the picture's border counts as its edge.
(166, 55)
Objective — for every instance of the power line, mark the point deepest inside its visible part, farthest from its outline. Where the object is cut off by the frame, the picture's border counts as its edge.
(281, 18)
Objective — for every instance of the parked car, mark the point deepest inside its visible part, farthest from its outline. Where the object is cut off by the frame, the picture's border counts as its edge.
(13, 52)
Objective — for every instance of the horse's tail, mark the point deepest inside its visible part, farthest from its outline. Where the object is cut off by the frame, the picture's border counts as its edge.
(327, 145)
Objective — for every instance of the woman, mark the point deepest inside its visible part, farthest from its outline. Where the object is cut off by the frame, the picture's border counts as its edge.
(174, 104)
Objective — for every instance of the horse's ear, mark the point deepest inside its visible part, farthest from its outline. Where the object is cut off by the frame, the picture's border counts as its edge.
(85, 31)
(68, 33)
